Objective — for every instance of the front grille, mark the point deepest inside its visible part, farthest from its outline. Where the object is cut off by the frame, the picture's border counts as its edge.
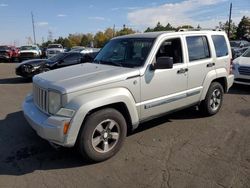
(40, 96)
(4, 53)
(244, 70)
(52, 52)
(27, 54)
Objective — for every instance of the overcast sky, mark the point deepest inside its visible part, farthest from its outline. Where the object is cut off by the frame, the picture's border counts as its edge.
(62, 17)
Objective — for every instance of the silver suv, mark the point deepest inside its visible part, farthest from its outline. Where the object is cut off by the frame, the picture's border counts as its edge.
(134, 78)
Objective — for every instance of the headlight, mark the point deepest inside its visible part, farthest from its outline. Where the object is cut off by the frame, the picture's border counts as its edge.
(54, 102)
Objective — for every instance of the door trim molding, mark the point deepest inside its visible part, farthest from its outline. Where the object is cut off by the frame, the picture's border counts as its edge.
(169, 98)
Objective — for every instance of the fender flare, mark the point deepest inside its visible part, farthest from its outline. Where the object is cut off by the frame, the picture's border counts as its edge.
(208, 80)
(211, 76)
(83, 104)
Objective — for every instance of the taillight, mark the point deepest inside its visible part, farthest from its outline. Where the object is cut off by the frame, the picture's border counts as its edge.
(231, 66)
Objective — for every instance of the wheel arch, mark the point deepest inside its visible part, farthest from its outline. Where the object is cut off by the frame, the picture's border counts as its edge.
(118, 98)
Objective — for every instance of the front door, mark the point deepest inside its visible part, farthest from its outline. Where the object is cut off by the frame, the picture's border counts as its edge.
(164, 90)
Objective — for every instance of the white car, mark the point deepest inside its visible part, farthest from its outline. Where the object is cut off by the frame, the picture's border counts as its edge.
(85, 50)
(54, 49)
(241, 68)
(29, 52)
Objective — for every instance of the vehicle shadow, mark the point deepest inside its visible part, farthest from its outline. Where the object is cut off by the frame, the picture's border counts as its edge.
(22, 151)
(240, 90)
(188, 113)
(15, 80)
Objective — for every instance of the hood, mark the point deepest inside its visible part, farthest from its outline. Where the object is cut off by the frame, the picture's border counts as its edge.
(28, 51)
(33, 62)
(242, 61)
(83, 76)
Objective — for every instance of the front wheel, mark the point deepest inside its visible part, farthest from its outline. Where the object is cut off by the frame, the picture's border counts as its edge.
(213, 101)
(102, 135)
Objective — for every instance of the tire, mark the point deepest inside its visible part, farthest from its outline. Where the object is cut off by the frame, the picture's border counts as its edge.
(102, 135)
(213, 101)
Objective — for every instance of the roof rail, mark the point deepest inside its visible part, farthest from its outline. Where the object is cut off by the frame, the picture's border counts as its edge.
(204, 29)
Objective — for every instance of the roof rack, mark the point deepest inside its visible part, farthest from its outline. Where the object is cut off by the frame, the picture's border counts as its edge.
(205, 29)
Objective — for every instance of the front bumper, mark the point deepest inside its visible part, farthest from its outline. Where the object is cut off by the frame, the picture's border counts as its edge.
(241, 79)
(26, 74)
(48, 127)
(230, 81)
(5, 57)
(50, 55)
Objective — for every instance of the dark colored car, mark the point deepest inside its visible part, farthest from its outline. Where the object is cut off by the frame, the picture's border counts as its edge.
(30, 68)
(8, 53)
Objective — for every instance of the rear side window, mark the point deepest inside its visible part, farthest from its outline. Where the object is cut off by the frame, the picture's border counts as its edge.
(220, 45)
(197, 48)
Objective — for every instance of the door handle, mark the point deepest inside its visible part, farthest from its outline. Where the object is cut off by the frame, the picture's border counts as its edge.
(182, 71)
(210, 64)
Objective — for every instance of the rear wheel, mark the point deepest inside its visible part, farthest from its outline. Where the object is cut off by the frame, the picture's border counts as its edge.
(102, 135)
(213, 101)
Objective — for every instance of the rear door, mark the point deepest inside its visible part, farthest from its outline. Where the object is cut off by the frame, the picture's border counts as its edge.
(200, 63)
(222, 52)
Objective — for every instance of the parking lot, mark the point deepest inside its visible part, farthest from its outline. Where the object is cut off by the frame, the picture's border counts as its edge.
(182, 149)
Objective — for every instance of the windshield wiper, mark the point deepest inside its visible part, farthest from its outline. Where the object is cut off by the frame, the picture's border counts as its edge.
(108, 62)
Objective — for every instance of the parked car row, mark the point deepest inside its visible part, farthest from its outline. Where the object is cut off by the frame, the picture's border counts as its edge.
(238, 47)
(11, 53)
(29, 68)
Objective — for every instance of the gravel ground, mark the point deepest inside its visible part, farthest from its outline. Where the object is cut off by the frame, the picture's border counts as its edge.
(182, 149)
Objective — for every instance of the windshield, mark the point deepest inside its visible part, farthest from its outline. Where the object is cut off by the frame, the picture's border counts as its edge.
(4, 48)
(126, 52)
(235, 44)
(55, 46)
(57, 57)
(28, 48)
(246, 53)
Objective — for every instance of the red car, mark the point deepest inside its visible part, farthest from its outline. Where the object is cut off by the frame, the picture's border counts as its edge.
(9, 53)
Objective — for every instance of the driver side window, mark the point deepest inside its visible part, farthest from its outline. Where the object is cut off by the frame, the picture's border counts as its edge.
(171, 48)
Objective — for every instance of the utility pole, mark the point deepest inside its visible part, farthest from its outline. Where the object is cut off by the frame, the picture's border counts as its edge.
(33, 26)
(229, 21)
(114, 30)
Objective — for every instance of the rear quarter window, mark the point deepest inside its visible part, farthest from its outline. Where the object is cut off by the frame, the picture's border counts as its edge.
(220, 45)
(197, 48)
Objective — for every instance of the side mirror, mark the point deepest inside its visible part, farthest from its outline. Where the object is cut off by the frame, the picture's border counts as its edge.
(163, 63)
